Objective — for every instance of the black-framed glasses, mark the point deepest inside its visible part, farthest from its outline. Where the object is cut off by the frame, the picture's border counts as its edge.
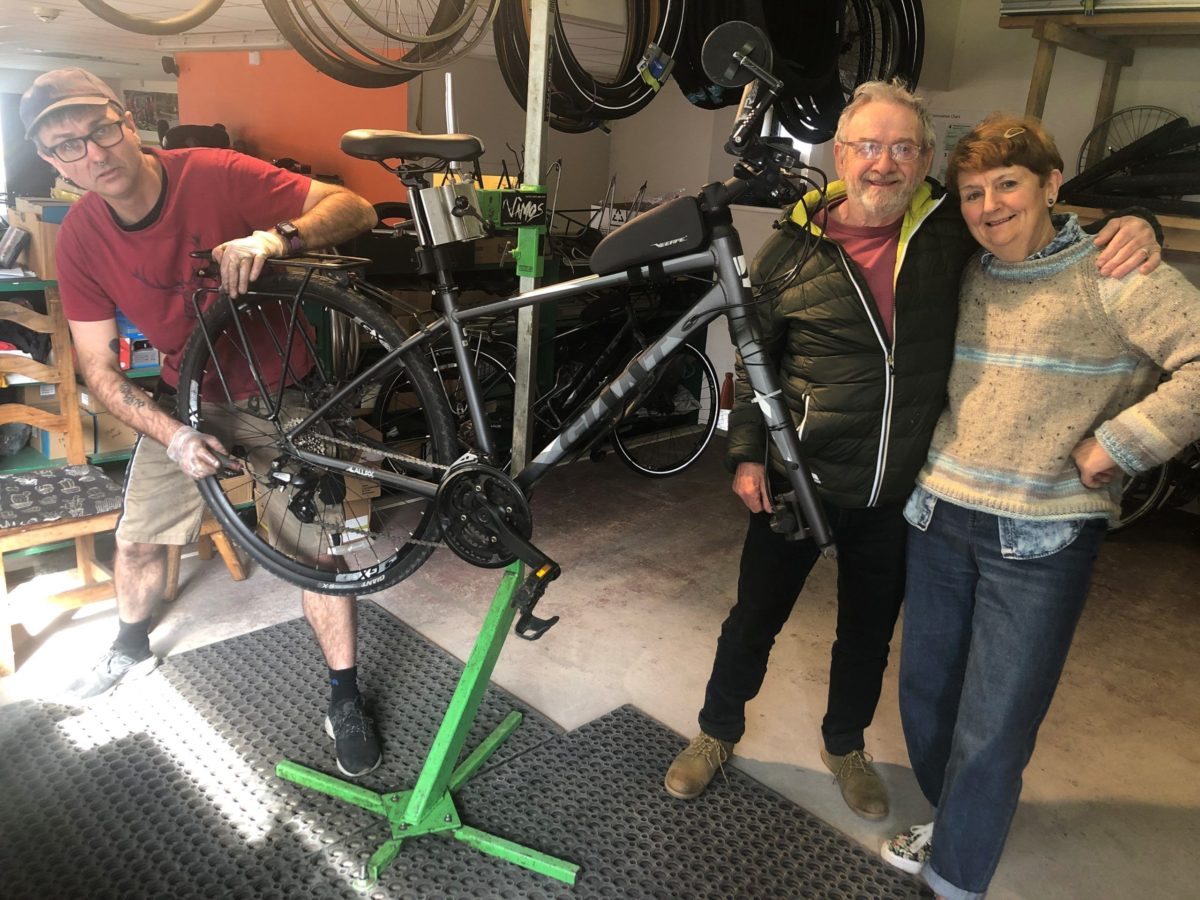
(74, 149)
(901, 152)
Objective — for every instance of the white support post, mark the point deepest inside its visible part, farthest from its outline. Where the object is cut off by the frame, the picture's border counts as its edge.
(535, 136)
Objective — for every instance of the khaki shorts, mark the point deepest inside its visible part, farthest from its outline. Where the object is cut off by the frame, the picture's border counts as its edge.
(164, 506)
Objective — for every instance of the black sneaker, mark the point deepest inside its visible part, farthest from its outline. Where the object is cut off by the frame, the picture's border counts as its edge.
(113, 668)
(355, 741)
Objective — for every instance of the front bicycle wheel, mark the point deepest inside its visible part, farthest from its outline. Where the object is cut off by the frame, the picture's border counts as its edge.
(669, 425)
(253, 370)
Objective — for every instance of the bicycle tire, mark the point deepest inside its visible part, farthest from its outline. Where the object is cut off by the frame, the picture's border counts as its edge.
(353, 559)
(198, 15)
(1140, 496)
(1121, 129)
(654, 436)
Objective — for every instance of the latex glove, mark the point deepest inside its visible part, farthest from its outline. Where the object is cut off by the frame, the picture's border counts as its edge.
(193, 452)
(1127, 243)
(242, 260)
(750, 483)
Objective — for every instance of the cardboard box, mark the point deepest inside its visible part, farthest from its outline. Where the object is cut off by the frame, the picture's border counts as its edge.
(357, 515)
(239, 490)
(53, 444)
(112, 435)
(134, 349)
(38, 255)
(46, 209)
(361, 488)
(90, 402)
(494, 251)
(43, 396)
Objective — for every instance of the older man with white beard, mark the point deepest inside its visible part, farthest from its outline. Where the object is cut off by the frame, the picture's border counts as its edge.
(862, 333)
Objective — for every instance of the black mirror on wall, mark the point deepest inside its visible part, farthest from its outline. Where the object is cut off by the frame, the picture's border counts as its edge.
(26, 173)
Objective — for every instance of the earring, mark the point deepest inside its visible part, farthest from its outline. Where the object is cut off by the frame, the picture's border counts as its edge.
(1049, 201)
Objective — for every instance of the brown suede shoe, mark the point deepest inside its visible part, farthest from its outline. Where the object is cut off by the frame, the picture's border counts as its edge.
(862, 788)
(695, 766)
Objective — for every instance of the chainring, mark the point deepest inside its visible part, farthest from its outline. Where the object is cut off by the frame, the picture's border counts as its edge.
(462, 499)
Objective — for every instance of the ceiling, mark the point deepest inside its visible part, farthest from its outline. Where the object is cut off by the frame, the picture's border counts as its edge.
(75, 36)
(40, 36)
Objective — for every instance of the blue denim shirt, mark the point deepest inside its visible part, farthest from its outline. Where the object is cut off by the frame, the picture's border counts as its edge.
(1019, 538)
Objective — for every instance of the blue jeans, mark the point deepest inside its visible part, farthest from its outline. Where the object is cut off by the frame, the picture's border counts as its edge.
(990, 611)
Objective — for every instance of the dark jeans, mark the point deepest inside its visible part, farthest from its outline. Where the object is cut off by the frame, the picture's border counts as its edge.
(870, 546)
(985, 638)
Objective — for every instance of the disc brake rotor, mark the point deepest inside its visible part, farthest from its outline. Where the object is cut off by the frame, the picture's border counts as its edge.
(463, 500)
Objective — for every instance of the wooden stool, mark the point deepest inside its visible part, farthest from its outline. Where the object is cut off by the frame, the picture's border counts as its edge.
(211, 535)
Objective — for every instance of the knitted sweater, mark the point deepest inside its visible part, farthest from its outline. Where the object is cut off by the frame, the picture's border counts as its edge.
(1047, 353)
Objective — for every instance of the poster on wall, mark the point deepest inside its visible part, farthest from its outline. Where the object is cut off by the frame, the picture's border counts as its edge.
(149, 107)
(950, 126)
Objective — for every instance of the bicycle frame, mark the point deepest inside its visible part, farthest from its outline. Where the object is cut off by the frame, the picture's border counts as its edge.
(730, 295)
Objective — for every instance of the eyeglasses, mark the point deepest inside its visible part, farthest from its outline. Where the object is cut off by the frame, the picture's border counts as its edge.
(903, 152)
(74, 149)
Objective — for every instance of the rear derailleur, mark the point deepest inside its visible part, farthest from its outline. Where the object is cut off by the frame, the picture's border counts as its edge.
(485, 520)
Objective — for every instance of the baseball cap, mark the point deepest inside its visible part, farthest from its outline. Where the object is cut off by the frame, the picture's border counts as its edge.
(63, 87)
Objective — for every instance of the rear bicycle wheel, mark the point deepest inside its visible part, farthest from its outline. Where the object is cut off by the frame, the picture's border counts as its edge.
(306, 522)
(667, 428)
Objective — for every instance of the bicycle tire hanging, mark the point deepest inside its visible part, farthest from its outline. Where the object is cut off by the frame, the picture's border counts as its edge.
(823, 52)
(374, 43)
(578, 99)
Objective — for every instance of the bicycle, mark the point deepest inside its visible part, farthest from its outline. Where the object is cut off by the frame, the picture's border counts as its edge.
(664, 434)
(1173, 484)
(309, 440)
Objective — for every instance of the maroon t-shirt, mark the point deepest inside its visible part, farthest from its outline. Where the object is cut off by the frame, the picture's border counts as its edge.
(874, 250)
(212, 196)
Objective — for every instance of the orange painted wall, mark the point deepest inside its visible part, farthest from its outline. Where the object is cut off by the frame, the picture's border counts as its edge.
(285, 107)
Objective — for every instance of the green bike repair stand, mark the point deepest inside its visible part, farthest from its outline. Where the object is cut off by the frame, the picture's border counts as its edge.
(429, 807)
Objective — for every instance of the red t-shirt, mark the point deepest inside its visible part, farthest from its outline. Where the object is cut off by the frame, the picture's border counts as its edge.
(212, 196)
(874, 250)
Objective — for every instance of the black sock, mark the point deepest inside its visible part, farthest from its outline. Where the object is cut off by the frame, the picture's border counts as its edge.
(343, 684)
(133, 638)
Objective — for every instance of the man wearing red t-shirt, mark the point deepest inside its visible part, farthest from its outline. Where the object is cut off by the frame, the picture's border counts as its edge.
(126, 245)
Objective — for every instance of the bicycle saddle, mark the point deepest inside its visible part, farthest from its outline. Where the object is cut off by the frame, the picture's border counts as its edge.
(366, 143)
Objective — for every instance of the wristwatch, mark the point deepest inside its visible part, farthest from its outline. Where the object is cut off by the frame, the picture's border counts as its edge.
(291, 236)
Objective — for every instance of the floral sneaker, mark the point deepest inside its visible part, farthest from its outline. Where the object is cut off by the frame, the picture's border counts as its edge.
(909, 851)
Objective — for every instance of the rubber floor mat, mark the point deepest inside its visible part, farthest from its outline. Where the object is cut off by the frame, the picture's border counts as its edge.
(166, 789)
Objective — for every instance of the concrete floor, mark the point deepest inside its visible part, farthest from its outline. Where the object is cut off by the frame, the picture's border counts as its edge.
(1111, 807)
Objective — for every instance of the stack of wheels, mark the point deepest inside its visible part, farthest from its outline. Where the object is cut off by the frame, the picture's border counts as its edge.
(378, 43)
(1158, 170)
(823, 51)
(579, 100)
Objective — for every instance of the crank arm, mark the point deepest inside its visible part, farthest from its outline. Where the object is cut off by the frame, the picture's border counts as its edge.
(543, 570)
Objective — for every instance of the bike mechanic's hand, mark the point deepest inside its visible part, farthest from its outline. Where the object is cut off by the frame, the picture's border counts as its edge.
(1096, 467)
(1127, 243)
(193, 452)
(750, 483)
(242, 261)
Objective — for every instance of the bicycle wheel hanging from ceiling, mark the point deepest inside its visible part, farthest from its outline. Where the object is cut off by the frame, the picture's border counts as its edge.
(1119, 130)
(854, 41)
(379, 43)
(201, 13)
(585, 87)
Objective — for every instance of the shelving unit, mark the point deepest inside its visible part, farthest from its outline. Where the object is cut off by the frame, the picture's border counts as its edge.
(1112, 37)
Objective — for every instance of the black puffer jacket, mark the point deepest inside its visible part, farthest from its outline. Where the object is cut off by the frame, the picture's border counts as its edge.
(865, 407)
